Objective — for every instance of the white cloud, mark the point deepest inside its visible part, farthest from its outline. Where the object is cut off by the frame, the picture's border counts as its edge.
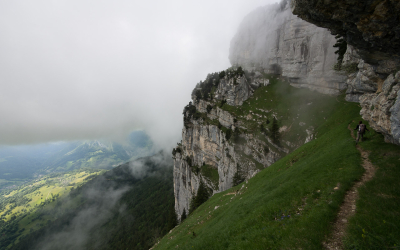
(88, 69)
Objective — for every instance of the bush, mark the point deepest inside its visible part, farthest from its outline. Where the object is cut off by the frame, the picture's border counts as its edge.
(228, 134)
(237, 179)
(275, 135)
(176, 150)
(209, 108)
(203, 193)
(350, 68)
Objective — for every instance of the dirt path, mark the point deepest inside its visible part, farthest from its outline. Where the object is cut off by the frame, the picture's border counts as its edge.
(348, 208)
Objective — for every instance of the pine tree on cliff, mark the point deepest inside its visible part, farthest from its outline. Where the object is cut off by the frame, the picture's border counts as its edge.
(202, 196)
(172, 218)
(183, 217)
(275, 135)
(341, 46)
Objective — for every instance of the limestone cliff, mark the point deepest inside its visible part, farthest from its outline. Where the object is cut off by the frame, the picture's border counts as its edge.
(239, 123)
(217, 147)
(372, 29)
(273, 40)
(227, 139)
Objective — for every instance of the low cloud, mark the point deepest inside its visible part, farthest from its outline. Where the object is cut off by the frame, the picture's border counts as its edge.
(102, 202)
(78, 231)
(72, 70)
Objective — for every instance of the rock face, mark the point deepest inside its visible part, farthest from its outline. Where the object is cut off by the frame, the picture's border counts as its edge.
(372, 29)
(381, 109)
(215, 148)
(371, 26)
(273, 40)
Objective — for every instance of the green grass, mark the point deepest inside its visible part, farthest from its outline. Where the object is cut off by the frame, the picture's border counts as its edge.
(210, 173)
(291, 204)
(376, 224)
(292, 106)
(25, 208)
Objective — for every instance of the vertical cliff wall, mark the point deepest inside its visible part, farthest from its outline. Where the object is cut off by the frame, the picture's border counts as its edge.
(239, 123)
(271, 39)
(372, 29)
(228, 135)
(216, 148)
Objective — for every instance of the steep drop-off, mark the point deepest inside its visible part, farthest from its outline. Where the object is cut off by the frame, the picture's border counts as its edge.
(238, 124)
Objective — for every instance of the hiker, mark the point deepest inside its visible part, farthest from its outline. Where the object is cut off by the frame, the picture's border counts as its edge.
(360, 131)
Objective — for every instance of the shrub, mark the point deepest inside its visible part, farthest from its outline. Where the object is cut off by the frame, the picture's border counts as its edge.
(350, 68)
(209, 108)
(275, 135)
(237, 179)
(203, 193)
(228, 134)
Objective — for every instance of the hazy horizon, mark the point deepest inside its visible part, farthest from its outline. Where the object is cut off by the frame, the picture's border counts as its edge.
(81, 70)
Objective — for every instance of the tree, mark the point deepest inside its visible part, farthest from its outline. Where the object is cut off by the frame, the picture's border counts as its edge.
(275, 135)
(172, 218)
(209, 108)
(341, 46)
(183, 217)
(202, 196)
(237, 179)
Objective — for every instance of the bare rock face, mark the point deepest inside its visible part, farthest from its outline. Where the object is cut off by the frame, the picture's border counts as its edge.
(205, 146)
(234, 90)
(381, 109)
(372, 29)
(208, 153)
(366, 80)
(273, 40)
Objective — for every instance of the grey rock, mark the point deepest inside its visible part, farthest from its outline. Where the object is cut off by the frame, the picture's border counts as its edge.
(234, 90)
(277, 42)
(381, 109)
(364, 81)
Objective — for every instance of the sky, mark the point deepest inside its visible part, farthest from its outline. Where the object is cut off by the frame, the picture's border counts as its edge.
(91, 69)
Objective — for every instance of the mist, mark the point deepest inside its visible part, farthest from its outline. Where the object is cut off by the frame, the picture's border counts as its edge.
(73, 70)
(101, 201)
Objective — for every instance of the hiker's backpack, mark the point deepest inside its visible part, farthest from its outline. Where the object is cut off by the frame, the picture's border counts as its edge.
(361, 128)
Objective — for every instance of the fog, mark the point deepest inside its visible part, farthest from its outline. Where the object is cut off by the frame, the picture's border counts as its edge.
(102, 202)
(72, 70)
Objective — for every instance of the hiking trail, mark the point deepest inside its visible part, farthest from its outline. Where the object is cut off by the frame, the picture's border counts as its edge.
(348, 207)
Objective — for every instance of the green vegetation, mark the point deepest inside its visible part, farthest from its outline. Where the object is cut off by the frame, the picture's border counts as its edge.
(295, 201)
(203, 193)
(210, 173)
(341, 46)
(116, 210)
(205, 90)
(26, 208)
(294, 109)
(20, 164)
(275, 135)
(376, 222)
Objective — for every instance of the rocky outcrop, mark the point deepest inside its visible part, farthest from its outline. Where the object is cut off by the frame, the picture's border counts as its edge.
(372, 29)
(234, 90)
(362, 82)
(216, 149)
(273, 40)
(381, 109)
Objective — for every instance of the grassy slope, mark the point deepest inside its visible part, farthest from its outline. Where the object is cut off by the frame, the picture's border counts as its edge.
(292, 204)
(23, 206)
(141, 215)
(376, 224)
(290, 105)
